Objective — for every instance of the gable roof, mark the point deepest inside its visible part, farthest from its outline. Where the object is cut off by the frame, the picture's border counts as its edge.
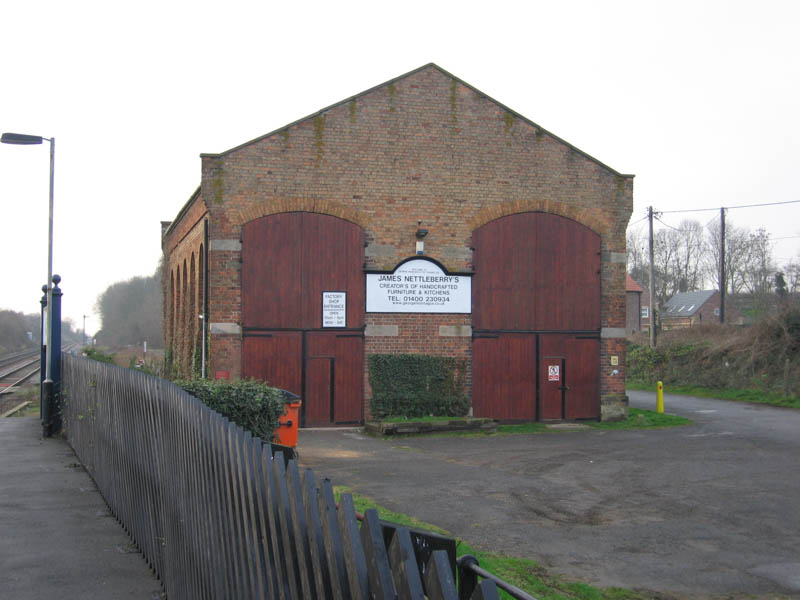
(404, 76)
(686, 304)
(631, 285)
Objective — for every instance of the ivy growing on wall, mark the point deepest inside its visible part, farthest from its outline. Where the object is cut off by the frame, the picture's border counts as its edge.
(416, 385)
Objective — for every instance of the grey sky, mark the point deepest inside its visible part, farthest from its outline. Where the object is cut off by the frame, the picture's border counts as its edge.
(698, 99)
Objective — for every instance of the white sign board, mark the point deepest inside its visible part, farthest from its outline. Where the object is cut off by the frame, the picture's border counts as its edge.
(334, 309)
(418, 286)
(553, 373)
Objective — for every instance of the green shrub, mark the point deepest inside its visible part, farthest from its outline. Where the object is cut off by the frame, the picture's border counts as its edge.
(416, 385)
(763, 357)
(99, 356)
(250, 404)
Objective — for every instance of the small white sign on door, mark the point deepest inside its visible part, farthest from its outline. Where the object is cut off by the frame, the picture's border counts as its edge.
(334, 309)
(553, 373)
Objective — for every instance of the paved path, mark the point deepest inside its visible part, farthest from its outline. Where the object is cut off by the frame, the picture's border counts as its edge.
(712, 509)
(57, 539)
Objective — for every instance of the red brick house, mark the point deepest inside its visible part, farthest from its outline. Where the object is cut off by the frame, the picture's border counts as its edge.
(420, 216)
(634, 311)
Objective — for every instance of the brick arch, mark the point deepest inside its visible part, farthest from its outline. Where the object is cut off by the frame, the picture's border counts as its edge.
(592, 218)
(274, 206)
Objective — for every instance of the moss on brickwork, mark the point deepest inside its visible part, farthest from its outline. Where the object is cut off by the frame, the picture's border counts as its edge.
(508, 118)
(454, 102)
(319, 133)
(352, 109)
(392, 91)
(217, 186)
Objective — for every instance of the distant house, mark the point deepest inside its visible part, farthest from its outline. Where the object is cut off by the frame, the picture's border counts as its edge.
(634, 311)
(691, 308)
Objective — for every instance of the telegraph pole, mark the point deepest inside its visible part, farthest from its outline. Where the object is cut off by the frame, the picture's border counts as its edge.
(652, 286)
(722, 283)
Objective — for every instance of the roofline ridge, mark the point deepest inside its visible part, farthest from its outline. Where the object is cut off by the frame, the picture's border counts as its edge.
(403, 76)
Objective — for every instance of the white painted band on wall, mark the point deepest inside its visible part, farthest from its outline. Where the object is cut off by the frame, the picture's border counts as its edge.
(227, 245)
(381, 331)
(612, 332)
(224, 329)
(455, 330)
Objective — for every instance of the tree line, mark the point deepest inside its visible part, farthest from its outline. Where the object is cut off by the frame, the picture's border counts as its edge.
(130, 312)
(19, 331)
(687, 258)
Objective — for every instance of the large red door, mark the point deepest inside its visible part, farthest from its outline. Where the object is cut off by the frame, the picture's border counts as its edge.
(288, 261)
(536, 319)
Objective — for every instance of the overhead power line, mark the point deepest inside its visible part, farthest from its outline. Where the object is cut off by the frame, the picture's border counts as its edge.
(666, 224)
(688, 210)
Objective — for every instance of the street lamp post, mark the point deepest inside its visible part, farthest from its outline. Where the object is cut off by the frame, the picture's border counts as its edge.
(28, 140)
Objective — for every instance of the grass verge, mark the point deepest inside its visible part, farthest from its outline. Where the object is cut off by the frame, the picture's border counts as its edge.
(737, 395)
(637, 419)
(524, 573)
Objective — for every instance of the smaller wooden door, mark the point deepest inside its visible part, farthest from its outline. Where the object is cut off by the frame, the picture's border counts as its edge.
(320, 393)
(334, 366)
(504, 376)
(569, 375)
(553, 388)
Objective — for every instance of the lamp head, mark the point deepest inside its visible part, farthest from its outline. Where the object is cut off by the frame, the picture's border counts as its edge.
(20, 139)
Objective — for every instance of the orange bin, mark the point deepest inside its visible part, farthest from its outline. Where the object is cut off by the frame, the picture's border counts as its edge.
(286, 432)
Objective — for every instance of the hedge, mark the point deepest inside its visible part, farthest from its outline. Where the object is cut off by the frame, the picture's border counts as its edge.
(250, 404)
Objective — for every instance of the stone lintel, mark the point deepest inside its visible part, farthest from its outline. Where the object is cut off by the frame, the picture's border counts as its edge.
(224, 329)
(614, 257)
(228, 245)
(382, 331)
(612, 332)
(455, 330)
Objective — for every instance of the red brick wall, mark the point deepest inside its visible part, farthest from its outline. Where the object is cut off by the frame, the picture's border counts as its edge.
(425, 147)
(183, 242)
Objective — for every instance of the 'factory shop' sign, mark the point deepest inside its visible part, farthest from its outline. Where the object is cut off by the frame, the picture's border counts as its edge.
(418, 286)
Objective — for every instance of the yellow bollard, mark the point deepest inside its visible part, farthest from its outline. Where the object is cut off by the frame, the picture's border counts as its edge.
(660, 398)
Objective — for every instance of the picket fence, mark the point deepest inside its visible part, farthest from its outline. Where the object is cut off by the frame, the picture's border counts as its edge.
(218, 513)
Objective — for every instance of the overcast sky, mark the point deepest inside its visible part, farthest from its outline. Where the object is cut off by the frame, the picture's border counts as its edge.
(700, 100)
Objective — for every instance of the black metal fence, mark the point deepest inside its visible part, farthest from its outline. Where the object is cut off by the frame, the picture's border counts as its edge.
(217, 513)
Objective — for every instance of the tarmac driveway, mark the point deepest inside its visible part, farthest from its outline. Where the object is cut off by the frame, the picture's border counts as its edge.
(711, 509)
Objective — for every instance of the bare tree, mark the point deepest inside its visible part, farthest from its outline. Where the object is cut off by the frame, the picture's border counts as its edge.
(791, 272)
(690, 245)
(736, 250)
(679, 255)
(637, 254)
(759, 268)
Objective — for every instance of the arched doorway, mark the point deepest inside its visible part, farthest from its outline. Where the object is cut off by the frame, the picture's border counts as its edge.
(303, 311)
(536, 319)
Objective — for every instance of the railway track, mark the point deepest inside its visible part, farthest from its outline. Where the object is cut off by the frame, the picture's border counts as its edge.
(16, 370)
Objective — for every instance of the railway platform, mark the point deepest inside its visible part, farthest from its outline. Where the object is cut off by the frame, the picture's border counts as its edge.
(57, 537)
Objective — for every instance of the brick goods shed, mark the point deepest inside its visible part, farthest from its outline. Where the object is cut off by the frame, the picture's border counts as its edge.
(419, 217)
